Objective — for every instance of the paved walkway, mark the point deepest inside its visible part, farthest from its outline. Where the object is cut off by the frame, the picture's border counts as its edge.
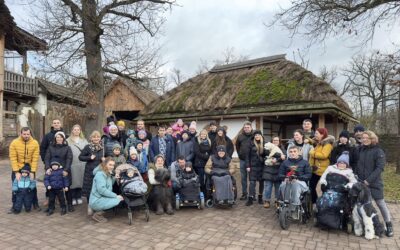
(238, 228)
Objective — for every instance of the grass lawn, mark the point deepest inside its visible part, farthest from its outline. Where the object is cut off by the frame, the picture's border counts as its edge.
(391, 181)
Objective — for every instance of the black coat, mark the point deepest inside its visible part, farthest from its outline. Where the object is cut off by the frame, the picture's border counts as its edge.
(109, 141)
(47, 141)
(303, 171)
(186, 149)
(61, 153)
(202, 153)
(212, 136)
(255, 161)
(339, 149)
(90, 166)
(271, 173)
(229, 147)
(243, 145)
(370, 165)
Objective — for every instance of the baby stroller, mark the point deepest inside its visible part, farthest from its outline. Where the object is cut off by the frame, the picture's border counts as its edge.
(334, 206)
(189, 194)
(134, 191)
(221, 190)
(287, 211)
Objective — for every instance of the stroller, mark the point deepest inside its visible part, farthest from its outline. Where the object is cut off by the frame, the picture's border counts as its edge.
(189, 194)
(134, 191)
(221, 190)
(334, 206)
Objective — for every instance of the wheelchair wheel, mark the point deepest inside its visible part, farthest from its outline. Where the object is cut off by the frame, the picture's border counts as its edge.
(202, 204)
(210, 203)
(177, 204)
(283, 218)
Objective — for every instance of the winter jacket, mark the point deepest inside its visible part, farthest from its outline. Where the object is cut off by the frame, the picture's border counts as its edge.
(212, 136)
(149, 136)
(202, 151)
(303, 170)
(271, 170)
(330, 180)
(219, 165)
(85, 155)
(255, 161)
(243, 145)
(187, 179)
(304, 148)
(109, 141)
(370, 165)
(319, 156)
(136, 163)
(21, 152)
(142, 156)
(130, 142)
(185, 148)
(176, 173)
(47, 141)
(102, 197)
(77, 166)
(122, 134)
(229, 147)
(61, 153)
(56, 179)
(339, 149)
(24, 182)
(154, 149)
(120, 159)
(177, 130)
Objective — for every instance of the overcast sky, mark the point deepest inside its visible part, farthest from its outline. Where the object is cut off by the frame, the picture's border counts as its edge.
(202, 30)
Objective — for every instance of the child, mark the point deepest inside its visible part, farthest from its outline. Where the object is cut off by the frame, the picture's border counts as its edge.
(23, 190)
(142, 156)
(134, 161)
(117, 156)
(143, 138)
(56, 183)
(132, 180)
(130, 142)
(190, 184)
(177, 128)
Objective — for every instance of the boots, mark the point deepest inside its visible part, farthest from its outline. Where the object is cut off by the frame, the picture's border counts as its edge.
(99, 217)
(389, 229)
(63, 211)
(243, 197)
(50, 212)
(267, 204)
(71, 208)
(249, 201)
(160, 209)
(169, 209)
(260, 199)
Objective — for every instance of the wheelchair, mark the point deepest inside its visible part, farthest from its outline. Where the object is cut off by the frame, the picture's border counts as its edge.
(289, 212)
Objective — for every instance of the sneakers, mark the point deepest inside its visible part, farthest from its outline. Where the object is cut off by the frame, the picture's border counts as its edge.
(98, 216)
(79, 201)
(249, 201)
(389, 229)
(267, 204)
(89, 211)
(244, 197)
(74, 202)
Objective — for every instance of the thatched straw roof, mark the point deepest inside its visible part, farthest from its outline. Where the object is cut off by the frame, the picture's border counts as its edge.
(269, 85)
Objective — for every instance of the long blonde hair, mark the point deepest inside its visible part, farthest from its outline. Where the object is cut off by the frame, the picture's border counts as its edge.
(259, 146)
(81, 135)
(372, 136)
(199, 139)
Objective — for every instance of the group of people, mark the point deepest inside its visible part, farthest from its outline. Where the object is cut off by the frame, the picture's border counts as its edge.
(80, 168)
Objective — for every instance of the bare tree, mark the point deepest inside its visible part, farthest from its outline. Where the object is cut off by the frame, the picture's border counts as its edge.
(89, 38)
(177, 77)
(331, 76)
(300, 57)
(319, 19)
(202, 67)
(229, 56)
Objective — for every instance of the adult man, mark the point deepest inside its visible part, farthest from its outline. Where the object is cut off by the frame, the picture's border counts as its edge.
(307, 129)
(242, 148)
(24, 150)
(213, 131)
(358, 131)
(176, 169)
(140, 126)
(49, 137)
(162, 144)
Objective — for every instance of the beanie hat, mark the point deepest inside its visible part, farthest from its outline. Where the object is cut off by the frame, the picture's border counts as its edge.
(112, 126)
(130, 132)
(26, 168)
(193, 125)
(133, 151)
(179, 121)
(359, 128)
(142, 132)
(139, 142)
(55, 163)
(344, 134)
(257, 132)
(323, 132)
(121, 123)
(221, 148)
(106, 130)
(344, 158)
(59, 133)
(116, 145)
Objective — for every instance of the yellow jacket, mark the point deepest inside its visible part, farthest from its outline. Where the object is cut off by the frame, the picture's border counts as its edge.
(319, 156)
(19, 149)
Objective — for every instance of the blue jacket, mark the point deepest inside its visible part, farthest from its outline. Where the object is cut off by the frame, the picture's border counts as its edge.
(155, 149)
(24, 182)
(136, 163)
(303, 171)
(102, 197)
(56, 180)
(143, 159)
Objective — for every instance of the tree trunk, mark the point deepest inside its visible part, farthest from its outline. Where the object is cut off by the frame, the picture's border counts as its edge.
(94, 69)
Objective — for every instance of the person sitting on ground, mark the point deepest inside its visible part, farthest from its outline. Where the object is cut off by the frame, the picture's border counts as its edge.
(297, 171)
(23, 190)
(102, 197)
(56, 183)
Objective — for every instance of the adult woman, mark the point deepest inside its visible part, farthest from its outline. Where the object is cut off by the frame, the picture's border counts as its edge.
(255, 165)
(102, 196)
(270, 175)
(298, 141)
(202, 151)
(319, 158)
(77, 142)
(277, 142)
(344, 145)
(60, 152)
(92, 154)
(110, 140)
(221, 139)
(369, 168)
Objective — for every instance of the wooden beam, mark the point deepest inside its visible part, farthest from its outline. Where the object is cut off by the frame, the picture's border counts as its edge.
(2, 44)
(321, 121)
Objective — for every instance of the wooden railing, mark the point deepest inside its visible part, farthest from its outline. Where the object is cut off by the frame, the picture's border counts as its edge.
(20, 84)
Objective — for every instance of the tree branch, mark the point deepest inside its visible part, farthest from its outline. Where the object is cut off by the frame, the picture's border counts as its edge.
(74, 9)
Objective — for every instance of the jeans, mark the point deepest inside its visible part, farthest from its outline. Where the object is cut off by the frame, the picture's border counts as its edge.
(292, 191)
(243, 176)
(252, 188)
(268, 189)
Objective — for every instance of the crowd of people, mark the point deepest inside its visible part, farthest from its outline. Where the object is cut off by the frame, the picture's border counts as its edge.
(76, 167)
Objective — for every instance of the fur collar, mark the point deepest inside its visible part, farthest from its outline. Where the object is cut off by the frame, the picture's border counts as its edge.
(328, 140)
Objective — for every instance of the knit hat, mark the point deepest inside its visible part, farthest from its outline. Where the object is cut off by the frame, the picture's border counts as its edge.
(130, 132)
(344, 134)
(55, 163)
(116, 145)
(106, 130)
(142, 132)
(221, 148)
(257, 132)
(121, 123)
(359, 128)
(25, 169)
(344, 158)
(139, 142)
(179, 121)
(323, 132)
(133, 151)
(193, 125)
(60, 133)
(112, 126)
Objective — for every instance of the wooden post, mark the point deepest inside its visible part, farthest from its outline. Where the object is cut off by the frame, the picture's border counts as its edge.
(25, 64)
(2, 44)
(335, 127)
(321, 121)
(262, 124)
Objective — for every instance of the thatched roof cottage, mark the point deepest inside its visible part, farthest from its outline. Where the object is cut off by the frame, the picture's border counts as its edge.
(272, 92)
